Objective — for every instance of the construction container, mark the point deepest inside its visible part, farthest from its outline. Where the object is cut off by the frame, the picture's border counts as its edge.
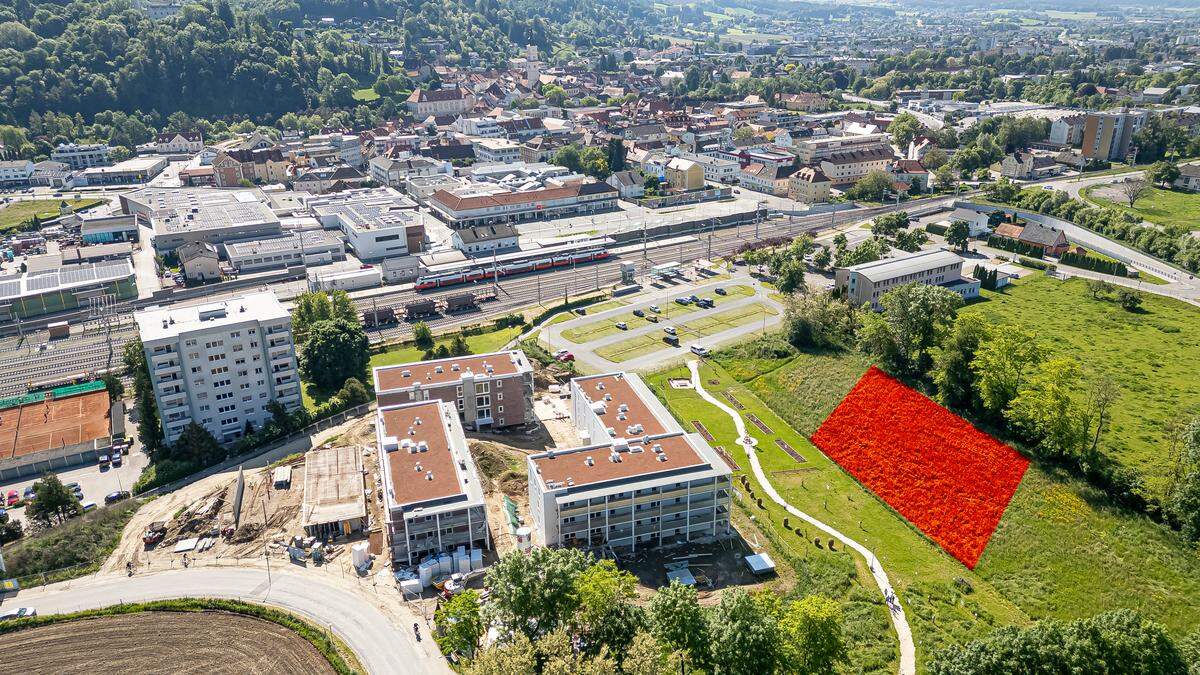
(524, 538)
(426, 571)
(445, 564)
(411, 587)
(359, 554)
(476, 560)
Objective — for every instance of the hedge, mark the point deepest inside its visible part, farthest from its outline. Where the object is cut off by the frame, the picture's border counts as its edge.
(330, 647)
(934, 228)
(1014, 245)
(1035, 264)
(1094, 263)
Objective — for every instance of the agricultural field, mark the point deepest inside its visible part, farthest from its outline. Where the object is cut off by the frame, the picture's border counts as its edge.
(205, 641)
(14, 214)
(1159, 206)
(945, 476)
(1150, 354)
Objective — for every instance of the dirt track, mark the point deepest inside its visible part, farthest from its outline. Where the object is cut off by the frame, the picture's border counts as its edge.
(163, 642)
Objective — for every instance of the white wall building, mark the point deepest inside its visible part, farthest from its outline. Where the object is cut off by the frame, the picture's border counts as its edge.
(82, 156)
(378, 223)
(219, 365)
(868, 282)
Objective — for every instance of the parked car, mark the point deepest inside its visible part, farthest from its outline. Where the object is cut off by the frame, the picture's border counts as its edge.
(683, 301)
(622, 325)
(565, 357)
(88, 506)
(655, 309)
(17, 613)
(154, 534)
(694, 298)
(580, 310)
(30, 493)
(115, 459)
(559, 353)
(13, 498)
(652, 318)
(74, 487)
(719, 291)
(699, 350)
(114, 497)
(669, 330)
(104, 460)
(671, 340)
(638, 312)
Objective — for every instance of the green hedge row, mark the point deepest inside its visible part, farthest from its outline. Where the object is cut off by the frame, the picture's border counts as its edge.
(315, 636)
(934, 228)
(1014, 245)
(1094, 263)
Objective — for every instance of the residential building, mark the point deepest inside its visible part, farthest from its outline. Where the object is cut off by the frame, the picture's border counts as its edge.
(1189, 177)
(1028, 166)
(432, 493)
(220, 364)
(378, 223)
(52, 174)
(179, 143)
(1067, 130)
(806, 101)
(425, 102)
(15, 172)
(910, 171)
(200, 261)
(329, 179)
(979, 222)
(684, 174)
(1107, 136)
(637, 481)
(1051, 240)
(772, 179)
(811, 150)
(479, 240)
(487, 390)
(81, 156)
(868, 282)
(716, 169)
(845, 168)
(497, 150)
(260, 165)
(630, 184)
(395, 171)
(809, 186)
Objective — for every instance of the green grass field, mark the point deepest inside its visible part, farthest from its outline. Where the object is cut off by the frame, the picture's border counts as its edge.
(1163, 207)
(14, 214)
(1152, 356)
(366, 94)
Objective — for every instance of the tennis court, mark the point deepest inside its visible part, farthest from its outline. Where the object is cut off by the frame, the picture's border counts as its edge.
(53, 423)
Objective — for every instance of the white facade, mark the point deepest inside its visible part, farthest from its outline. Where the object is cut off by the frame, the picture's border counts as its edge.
(377, 223)
(220, 365)
(14, 172)
(82, 156)
(868, 282)
(497, 150)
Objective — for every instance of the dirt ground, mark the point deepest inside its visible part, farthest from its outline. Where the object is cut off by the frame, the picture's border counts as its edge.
(502, 470)
(183, 642)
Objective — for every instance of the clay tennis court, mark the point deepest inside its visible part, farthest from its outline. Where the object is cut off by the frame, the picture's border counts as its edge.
(44, 425)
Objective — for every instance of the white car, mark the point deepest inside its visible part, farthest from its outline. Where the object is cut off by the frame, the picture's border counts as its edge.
(622, 325)
(18, 613)
(699, 351)
(559, 353)
(669, 330)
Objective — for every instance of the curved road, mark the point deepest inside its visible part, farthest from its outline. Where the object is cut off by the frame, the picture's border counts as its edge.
(908, 652)
(380, 646)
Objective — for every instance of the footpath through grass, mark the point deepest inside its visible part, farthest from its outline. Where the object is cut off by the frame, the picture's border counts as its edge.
(14, 214)
(1159, 206)
(940, 610)
(1153, 355)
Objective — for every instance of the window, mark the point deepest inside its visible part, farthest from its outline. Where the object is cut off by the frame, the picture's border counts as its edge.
(499, 396)
(482, 387)
(500, 409)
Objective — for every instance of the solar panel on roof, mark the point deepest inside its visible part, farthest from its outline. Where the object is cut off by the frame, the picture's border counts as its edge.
(43, 282)
(10, 289)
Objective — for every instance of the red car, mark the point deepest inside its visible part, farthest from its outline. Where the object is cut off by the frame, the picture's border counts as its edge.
(13, 497)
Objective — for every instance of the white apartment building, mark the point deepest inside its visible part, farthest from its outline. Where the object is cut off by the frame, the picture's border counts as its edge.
(433, 498)
(868, 282)
(395, 171)
(497, 150)
(219, 365)
(716, 170)
(179, 143)
(16, 172)
(639, 480)
(812, 150)
(81, 156)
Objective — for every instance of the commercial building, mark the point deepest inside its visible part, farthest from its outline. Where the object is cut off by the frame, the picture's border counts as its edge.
(128, 172)
(378, 223)
(485, 239)
(868, 282)
(425, 102)
(487, 390)
(334, 503)
(472, 205)
(180, 215)
(104, 228)
(220, 364)
(81, 156)
(811, 150)
(58, 290)
(1107, 136)
(497, 150)
(638, 481)
(15, 172)
(433, 498)
(311, 247)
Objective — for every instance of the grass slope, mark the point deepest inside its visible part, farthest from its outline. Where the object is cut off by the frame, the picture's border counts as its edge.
(1164, 207)
(14, 214)
(1152, 355)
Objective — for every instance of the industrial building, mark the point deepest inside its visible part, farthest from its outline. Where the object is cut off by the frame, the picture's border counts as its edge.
(220, 364)
(57, 290)
(487, 390)
(639, 480)
(868, 282)
(311, 247)
(378, 223)
(180, 215)
(335, 503)
(433, 498)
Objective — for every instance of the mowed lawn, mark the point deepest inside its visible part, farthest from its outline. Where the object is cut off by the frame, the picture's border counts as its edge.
(1153, 355)
(1164, 207)
(16, 213)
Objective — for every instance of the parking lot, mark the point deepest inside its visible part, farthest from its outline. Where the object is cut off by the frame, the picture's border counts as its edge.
(95, 481)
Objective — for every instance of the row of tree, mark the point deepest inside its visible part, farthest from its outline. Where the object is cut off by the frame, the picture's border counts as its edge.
(562, 611)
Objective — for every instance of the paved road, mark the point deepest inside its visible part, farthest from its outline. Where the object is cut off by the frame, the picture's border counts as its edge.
(908, 651)
(381, 646)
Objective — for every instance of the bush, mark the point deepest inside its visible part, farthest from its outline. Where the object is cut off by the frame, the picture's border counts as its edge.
(85, 540)
(163, 472)
(1094, 263)
(1013, 245)
(1035, 264)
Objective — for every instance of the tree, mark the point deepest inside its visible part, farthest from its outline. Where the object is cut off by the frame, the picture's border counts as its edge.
(1044, 412)
(890, 224)
(1102, 395)
(790, 277)
(821, 321)
(459, 346)
(744, 632)
(558, 656)
(646, 656)
(1129, 300)
(460, 624)
(317, 306)
(1002, 363)
(904, 128)
(914, 319)
(51, 501)
(945, 177)
(1134, 189)
(822, 259)
(517, 656)
(336, 350)
(872, 187)
(677, 621)
(952, 366)
(10, 530)
(615, 154)
(934, 159)
(959, 235)
(1163, 173)
(150, 433)
(353, 392)
(1099, 288)
(196, 444)
(422, 336)
(534, 592)
(811, 636)
(116, 388)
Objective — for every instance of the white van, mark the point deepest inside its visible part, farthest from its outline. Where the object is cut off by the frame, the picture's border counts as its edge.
(699, 351)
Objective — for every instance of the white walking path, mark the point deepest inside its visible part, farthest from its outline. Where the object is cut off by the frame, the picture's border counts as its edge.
(908, 652)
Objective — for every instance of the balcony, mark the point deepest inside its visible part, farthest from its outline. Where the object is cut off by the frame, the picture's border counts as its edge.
(167, 368)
